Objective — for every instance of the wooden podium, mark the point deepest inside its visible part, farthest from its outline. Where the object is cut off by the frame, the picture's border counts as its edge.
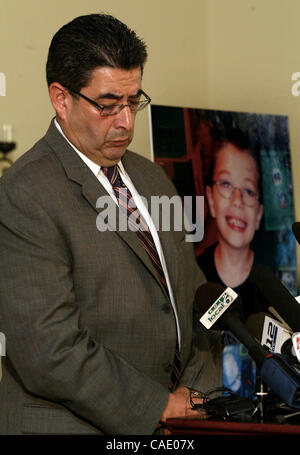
(199, 426)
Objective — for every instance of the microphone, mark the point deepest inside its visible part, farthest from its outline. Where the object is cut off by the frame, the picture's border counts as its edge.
(213, 301)
(218, 307)
(255, 324)
(296, 344)
(277, 298)
(276, 338)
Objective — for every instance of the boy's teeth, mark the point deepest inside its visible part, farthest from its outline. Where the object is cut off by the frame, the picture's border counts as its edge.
(236, 222)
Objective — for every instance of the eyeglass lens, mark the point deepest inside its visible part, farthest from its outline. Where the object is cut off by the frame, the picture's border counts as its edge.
(227, 190)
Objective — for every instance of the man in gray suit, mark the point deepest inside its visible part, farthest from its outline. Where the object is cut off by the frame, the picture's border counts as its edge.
(91, 330)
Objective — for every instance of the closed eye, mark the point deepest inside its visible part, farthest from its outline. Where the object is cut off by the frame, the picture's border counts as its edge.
(134, 102)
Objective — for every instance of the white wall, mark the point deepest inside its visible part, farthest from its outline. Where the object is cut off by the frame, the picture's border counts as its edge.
(216, 54)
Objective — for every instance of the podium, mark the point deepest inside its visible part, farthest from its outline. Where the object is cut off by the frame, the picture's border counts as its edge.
(199, 426)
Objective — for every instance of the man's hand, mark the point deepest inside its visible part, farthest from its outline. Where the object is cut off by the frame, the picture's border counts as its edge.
(179, 404)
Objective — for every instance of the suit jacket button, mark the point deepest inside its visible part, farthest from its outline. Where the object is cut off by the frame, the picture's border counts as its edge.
(166, 308)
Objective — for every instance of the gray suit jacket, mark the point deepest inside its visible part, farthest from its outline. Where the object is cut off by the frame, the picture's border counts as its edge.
(90, 333)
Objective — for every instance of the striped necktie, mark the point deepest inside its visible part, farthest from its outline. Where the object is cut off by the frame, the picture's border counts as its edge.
(127, 205)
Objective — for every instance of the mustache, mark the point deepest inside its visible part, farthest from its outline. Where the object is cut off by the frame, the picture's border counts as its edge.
(121, 136)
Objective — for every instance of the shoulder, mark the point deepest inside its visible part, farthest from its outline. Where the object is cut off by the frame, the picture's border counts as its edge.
(31, 163)
(34, 177)
(133, 158)
(152, 172)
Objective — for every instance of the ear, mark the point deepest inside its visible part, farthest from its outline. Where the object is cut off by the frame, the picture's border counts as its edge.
(59, 97)
(210, 200)
(259, 216)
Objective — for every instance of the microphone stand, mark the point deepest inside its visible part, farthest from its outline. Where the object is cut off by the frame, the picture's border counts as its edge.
(261, 394)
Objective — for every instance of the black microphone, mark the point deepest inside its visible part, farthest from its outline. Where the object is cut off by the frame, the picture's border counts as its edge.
(276, 296)
(218, 308)
(255, 324)
(296, 231)
(273, 336)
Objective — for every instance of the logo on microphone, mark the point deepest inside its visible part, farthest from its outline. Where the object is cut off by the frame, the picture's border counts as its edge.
(296, 344)
(271, 339)
(218, 308)
(274, 335)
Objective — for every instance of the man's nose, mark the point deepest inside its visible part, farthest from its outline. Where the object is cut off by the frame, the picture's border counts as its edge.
(125, 119)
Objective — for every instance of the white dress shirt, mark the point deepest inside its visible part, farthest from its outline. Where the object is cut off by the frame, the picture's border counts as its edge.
(97, 171)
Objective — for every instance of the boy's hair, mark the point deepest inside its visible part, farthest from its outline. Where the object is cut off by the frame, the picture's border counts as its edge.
(241, 141)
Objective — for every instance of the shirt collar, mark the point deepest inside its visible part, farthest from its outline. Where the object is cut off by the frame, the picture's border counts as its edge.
(94, 167)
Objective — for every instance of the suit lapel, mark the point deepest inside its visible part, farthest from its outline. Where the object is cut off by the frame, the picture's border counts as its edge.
(91, 192)
(77, 171)
(143, 182)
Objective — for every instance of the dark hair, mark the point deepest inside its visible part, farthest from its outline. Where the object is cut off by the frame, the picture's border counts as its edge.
(242, 142)
(88, 42)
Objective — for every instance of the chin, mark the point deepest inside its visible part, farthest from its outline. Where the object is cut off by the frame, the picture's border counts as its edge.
(236, 242)
(239, 245)
(116, 154)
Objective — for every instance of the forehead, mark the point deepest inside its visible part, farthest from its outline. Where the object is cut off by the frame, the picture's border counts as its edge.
(115, 80)
(239, 163)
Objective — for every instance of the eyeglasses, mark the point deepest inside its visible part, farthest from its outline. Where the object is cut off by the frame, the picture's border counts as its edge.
(113, 109)
(226, 190)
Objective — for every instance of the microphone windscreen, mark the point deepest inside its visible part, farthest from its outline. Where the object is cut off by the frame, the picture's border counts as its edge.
(255, 324)
(215, 304)
(276, 295)
(206, 294)
(218, 307)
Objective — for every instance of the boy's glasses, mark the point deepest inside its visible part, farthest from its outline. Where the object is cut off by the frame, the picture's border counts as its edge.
(226, 190)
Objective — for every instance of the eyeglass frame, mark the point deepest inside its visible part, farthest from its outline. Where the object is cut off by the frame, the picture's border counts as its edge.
(241, 190)
(120, 106)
